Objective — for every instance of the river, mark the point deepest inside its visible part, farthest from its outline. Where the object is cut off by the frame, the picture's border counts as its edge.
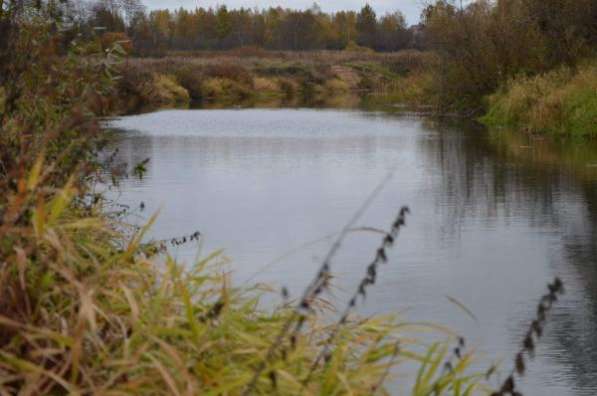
(493, 218)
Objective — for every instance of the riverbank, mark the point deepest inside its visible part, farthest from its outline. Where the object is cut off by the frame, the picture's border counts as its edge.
(560, 103)
(323, 78)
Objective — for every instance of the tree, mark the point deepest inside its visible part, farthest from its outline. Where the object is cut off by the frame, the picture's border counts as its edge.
(392, 33)
(223, 23)
(366, 27)
(344, 28)
(107, 17)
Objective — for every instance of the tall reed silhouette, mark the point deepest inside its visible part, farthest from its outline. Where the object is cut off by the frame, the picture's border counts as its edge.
(369, 279)
(319, 283)
(534, 333)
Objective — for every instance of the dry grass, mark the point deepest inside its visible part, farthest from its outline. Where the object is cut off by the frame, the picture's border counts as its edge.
(562, 102)
(166, 90)
(264, 84)
(309, 77)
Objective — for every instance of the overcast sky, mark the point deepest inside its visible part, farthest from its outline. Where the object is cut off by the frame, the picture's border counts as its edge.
(410, 8)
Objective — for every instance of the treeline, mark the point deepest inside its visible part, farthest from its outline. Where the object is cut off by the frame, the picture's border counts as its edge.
(155, 32)
(486, 44)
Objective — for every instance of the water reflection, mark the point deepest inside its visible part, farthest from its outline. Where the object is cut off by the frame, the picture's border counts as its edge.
(494, 217)
(554, 190)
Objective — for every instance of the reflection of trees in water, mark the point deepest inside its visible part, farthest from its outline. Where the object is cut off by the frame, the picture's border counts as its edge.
(484, 180)
(577, 329)
(251, 152)
(479, 184)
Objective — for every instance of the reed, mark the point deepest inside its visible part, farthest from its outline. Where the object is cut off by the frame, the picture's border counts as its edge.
(319, 283)
(369, 279)
(532, 335)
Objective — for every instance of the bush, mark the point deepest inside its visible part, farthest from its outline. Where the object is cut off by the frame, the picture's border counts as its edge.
(336, 86)
(288, 87)
(167, 91)
(265, 85)
(191, 78)
(229, 71)
(219, 88)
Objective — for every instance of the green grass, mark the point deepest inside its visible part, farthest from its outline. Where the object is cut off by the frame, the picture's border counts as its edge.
(562, 103)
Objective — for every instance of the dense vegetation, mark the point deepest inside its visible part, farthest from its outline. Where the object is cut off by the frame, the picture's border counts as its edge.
(328, 79)
(486, 44)
(560, 102)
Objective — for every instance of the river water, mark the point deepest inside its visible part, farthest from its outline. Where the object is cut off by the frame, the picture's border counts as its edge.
(494, 218)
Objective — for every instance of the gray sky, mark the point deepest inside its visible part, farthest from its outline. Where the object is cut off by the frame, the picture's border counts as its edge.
(410, 8)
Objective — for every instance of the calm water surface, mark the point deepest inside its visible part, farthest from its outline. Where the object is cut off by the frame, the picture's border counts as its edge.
(491, 222)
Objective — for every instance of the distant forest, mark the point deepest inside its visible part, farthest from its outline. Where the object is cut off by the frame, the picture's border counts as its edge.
(157, 31)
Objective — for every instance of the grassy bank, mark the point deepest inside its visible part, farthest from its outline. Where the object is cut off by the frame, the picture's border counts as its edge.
(561, 103)
(326, 78)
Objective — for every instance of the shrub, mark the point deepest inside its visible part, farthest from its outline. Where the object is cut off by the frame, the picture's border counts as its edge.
(265, 85)
(219, 88)
(191, 78)
(229, 71)
(335, 86)
(288, 87)
(167, 91)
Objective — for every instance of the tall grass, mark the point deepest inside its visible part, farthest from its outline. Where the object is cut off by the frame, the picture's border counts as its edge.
(562, 102)
(89, 309)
